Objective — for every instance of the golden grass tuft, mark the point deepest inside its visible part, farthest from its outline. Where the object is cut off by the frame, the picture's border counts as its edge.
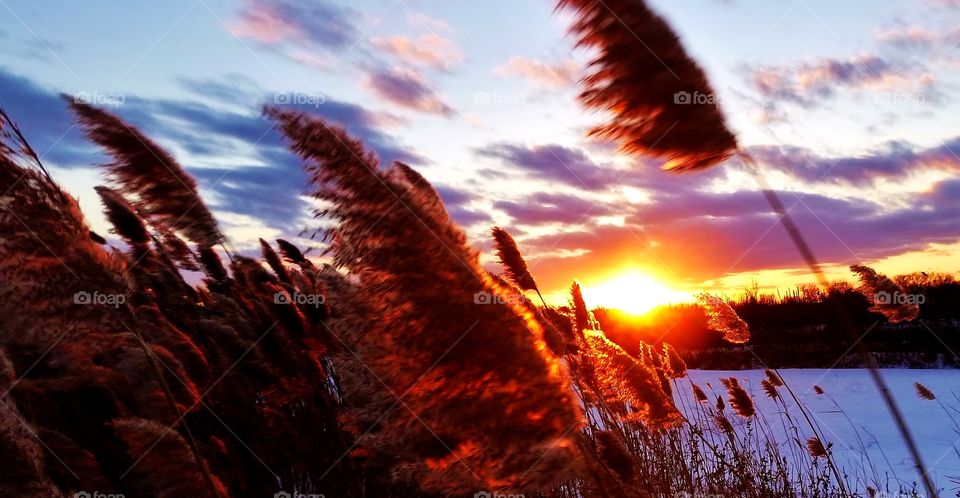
(722, 318)
(815, 447)
(923, 392)
(699, 395)
(740, 401)
(769, 389)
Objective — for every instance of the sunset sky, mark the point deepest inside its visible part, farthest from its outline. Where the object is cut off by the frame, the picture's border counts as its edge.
(849, 107)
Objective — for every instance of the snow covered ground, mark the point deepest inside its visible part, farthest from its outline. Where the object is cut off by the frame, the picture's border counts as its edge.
(850, 393)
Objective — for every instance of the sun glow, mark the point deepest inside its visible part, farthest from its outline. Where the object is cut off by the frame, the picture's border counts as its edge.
(632, 292)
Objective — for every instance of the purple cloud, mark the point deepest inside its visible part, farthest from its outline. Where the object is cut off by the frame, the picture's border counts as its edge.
(544, 207)
(552, 162)
(895, 160)
(407, 89)
(316, 23)
(809, 83)
(698, 233)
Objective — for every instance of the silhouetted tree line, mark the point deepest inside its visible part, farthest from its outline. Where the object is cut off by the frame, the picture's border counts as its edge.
(803, 328)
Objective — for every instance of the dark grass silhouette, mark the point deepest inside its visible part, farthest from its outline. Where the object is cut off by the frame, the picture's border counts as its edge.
(402, 368)
(395, 380)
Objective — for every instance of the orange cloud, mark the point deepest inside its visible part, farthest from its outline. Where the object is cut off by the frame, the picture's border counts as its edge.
(557, 75)
(428, 50)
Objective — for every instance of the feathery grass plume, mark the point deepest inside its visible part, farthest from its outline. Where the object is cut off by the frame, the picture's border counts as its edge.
(818, 389)
(773, 378)
(674, 362)
(769, 388)
(650, 356)
(723, 423)
(632, 381)
(512, 260)
(882, 293)
(96, 237)
(644, 77)
(720, 405)
(294, 255)
(165, 194)
(491, 402)
(923, 392)
(739, 399)
(177, 250)
(815, 447)
(582, 317)
(124, 218)
(699, 395)
(722, 318)
(664, 380)
(422, 191)
(275, 263)
(212, 264)
(561, 321)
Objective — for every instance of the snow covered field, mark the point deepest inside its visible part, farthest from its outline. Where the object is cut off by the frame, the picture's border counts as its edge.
(868, 443)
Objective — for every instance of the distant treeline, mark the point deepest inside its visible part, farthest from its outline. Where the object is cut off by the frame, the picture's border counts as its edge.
(803, 328)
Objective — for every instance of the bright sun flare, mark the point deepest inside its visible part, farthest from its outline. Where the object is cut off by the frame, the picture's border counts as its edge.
(631, 292)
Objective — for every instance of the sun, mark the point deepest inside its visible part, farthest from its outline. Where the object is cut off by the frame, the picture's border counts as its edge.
(632, 292)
